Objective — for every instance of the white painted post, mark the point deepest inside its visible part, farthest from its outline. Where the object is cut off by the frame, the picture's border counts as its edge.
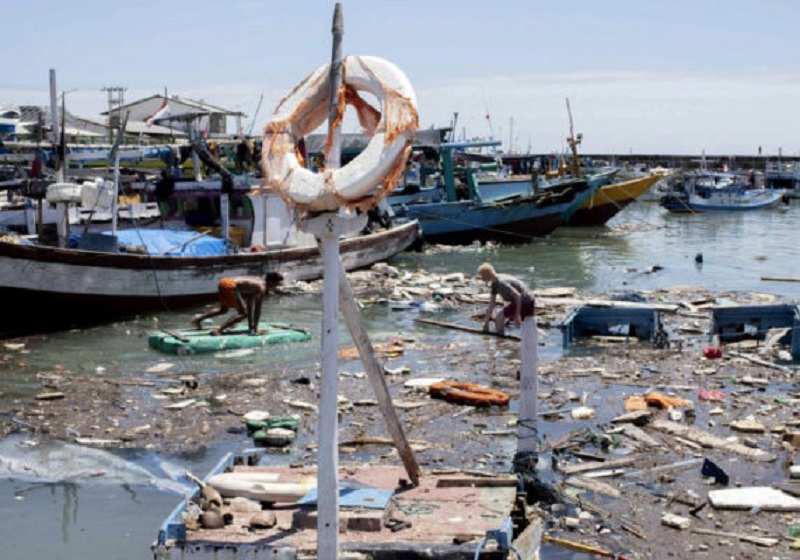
(62, 223)
(327, 228)
(527, 427)
(328, 450)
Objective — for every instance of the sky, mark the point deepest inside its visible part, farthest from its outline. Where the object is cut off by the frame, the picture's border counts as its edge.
(654, 77)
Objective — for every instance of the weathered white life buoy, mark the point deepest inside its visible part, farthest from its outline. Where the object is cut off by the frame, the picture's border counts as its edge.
(374, 172)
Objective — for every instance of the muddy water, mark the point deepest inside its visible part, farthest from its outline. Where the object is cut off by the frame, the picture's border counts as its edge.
(100, 519)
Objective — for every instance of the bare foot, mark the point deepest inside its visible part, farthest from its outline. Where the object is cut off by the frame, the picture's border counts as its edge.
(196, 323)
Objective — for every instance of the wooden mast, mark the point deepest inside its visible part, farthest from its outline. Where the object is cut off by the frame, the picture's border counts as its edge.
(573, 145)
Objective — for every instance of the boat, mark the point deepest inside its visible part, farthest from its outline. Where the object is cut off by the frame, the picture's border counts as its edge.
(101, 276)
(783, 175)
(608, 200)
(716, 191)
(511, 210)
(513, 219)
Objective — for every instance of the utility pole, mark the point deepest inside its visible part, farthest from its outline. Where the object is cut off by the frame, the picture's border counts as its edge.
(116, 99)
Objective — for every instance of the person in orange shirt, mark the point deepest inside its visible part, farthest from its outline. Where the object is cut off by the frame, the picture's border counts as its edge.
(245, 294)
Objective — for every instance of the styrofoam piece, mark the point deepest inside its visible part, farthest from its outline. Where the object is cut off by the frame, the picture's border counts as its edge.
(762, 497)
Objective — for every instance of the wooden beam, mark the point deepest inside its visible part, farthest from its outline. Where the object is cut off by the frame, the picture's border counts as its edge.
(352, 317)
(465, 328)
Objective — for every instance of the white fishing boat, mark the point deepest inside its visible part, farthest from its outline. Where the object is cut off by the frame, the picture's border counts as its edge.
(104, 275)
(708, 191)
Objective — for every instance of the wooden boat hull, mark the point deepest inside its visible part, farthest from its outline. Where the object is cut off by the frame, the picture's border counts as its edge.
(513, 220)
(70, 286)
(609, 200)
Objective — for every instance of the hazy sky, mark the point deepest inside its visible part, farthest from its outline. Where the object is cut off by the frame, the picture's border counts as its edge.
(669, 76)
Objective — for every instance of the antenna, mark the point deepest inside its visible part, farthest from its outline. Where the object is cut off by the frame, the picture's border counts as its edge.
(116, 100)
(488, 116)
(258, 107)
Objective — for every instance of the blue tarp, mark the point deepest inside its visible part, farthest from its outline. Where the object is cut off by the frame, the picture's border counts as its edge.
(178, 243)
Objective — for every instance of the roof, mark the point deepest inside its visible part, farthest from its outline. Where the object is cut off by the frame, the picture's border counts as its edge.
(200, 106)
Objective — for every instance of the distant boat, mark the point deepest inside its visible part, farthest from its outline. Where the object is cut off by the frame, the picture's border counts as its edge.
(610, 199)
(710, 191)
(783, 175)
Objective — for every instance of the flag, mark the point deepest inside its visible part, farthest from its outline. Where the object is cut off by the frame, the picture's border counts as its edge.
(161, 113)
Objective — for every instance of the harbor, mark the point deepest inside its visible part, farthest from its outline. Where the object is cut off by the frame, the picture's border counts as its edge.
(605, 260)
(356, 317)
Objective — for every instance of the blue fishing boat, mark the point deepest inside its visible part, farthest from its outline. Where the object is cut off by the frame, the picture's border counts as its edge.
(529, 209)
(711, 191)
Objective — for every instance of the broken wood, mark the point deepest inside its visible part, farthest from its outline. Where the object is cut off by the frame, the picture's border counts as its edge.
(589, 549)
(466, 328)
(51, 396)
(760, 541)
(565, 441)
(350, 311)
(592, 485)
(780, 279)
(583, 467)
(709, 440)
(759, 361)
(461, 481)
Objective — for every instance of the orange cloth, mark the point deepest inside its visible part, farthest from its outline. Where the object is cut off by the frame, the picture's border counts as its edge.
(227, 293)
(664, 401)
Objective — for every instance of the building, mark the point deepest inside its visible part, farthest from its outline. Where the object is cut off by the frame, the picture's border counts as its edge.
(176, 114)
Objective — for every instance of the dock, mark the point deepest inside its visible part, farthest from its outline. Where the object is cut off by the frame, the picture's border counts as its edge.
(449, 515)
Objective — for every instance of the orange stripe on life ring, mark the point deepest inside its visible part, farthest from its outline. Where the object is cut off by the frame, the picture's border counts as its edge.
(468, 393)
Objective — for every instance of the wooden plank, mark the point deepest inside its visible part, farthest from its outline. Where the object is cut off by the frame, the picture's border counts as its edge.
(465, 328)
(780, 279)
(349, 308)
(460, 481)
(180, 337)
(759, 361)
(529, 542)
(760, 541)
(709, 440)
(593, 485)
(583, 467)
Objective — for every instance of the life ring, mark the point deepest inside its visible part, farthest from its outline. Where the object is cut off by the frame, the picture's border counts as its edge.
(382, 161)
(468, 393)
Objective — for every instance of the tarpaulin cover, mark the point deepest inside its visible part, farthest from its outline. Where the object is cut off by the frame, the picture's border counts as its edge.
(168, 242)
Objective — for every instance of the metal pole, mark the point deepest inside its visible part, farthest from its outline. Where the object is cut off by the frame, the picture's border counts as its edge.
(328, 458)
(115, 198)
(54, 123)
